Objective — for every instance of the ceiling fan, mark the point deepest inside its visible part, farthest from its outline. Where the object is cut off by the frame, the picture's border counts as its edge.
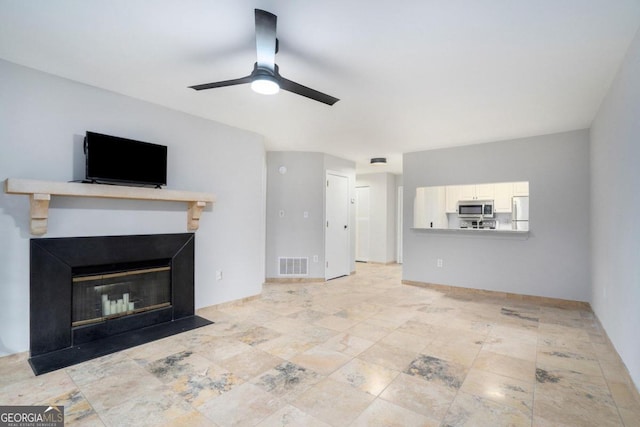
(265, 77)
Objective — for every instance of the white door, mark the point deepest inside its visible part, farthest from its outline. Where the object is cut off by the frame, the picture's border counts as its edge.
(362, 224)
(337, 257)
(399, 231)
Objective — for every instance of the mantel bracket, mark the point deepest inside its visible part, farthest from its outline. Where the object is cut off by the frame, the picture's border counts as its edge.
(39, 212)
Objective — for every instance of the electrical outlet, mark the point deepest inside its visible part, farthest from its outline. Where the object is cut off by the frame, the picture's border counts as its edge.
(218, 274)
(315, 258)
(305, 214)
(439, 262)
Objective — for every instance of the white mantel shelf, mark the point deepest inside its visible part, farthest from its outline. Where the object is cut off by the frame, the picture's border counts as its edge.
(40, 193)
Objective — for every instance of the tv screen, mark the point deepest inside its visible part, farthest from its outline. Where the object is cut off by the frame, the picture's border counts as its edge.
(112, 159)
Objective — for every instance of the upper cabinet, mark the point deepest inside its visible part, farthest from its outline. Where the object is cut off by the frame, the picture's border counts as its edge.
(501, 193)
(521, 188)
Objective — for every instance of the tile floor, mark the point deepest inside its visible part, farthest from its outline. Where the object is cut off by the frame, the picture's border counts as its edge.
(357, 351)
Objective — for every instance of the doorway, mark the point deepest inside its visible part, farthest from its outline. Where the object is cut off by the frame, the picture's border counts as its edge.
(337, 258)
(363, 238)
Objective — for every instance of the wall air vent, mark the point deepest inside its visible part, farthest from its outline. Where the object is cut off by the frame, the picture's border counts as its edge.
(293, 266)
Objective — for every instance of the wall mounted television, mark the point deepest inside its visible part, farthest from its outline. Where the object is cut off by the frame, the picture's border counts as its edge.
(115, 160)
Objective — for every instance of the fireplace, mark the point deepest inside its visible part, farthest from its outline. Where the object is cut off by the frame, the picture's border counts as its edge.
(92, 296)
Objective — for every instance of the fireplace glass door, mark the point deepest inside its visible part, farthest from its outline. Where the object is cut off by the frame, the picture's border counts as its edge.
(104, 296)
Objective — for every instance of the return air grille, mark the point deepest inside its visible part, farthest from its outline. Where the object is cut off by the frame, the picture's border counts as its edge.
(293, 266)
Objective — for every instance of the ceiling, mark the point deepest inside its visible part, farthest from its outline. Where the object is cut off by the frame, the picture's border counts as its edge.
(410, 75)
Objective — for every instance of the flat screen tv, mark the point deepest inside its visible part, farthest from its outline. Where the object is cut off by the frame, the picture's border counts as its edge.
(115, 160)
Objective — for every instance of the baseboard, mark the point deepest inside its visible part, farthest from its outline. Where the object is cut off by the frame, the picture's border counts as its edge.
(289, 280)
(552, 302)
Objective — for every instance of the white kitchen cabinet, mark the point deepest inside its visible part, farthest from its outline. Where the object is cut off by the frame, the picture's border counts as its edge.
(521, 188)
(503, 195)
(485, 191)
(453, 194)
(477, 192)
(429, 208)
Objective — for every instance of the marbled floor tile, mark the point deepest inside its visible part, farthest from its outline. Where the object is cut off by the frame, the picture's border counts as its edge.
(361, 311)
(189, 419)
(386, 414)
(333, 402)
(14, 368)
(391, 357)
(116, 389)
(177, 365)
(405, 341)
(500, 389)
(256, 335)
(77, 410)
(551, 331)
(314, 333)
(455, 351)
(348, 344)
(196, 337)
(285, 346)
(337, 323)
(149, 409)
(567, 344)
(429, 399)
(371, 330)
(102, 367)
(470, 410)
(90, 421)
(365, 376)
(578, 404)
(630, 418)
(198, 387)
(567, 360)
(437, 371)
(222, 348)
(285, 325)
(307, 315)
(511, 347)
(321, 360)
(567, 377)
(245, 405)
(155, 350)
(520, 369)
(250, 363)
(426, 331)
(625, 396)
(395, 316)
(509, 332)
(37, 389)
(287, 381)
(293, 417)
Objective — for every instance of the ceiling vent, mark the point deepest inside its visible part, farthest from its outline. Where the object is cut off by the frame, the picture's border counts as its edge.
(293, 266)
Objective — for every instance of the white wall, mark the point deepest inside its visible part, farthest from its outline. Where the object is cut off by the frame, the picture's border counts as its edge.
(615, 205)
(301, 189)
(552, 262)
(382, 215)
(42, 122)
(297, 191)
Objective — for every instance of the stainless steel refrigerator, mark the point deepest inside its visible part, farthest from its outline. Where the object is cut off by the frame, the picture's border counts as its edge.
(520, 213)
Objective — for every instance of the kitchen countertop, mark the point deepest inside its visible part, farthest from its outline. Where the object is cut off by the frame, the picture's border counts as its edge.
(474, 231)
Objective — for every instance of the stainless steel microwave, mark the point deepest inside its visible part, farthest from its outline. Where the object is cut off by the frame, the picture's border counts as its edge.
(475, 209)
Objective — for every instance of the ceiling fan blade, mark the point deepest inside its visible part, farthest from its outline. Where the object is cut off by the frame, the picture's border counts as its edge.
(223, 83)
(266, 39)
(299, 89)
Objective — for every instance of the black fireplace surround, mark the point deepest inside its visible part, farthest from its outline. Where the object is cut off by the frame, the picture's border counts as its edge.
(55, 343)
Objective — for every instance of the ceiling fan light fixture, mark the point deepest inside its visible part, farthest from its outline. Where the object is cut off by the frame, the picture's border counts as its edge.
(265, 84)
(379, 161)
